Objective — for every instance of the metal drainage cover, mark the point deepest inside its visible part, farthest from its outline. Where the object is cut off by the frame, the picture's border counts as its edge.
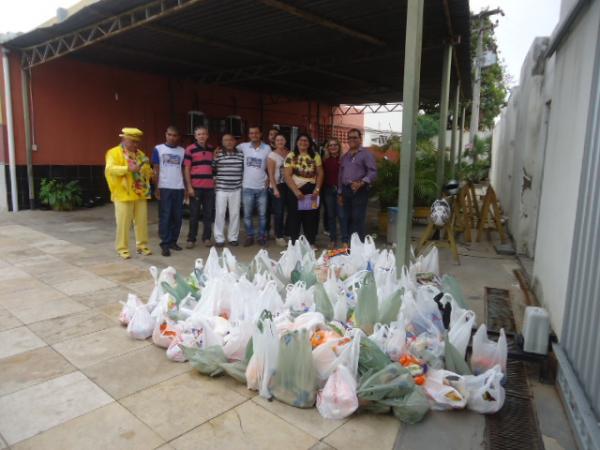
(498, 311)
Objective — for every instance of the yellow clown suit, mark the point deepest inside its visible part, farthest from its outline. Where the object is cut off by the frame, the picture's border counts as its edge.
(128, 173)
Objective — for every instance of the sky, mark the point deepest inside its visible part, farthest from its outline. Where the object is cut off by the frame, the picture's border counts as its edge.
(24, 15)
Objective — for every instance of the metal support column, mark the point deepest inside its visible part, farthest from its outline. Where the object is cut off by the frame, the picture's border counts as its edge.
(410, 100)
(445, 94)
(454, 136)
(10, 131)
(25, 88)
(460, 138)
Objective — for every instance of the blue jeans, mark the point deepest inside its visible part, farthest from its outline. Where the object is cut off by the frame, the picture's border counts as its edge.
(252, 198)
(170, 208)
(278, 208)
(334, 212)
(355, 212)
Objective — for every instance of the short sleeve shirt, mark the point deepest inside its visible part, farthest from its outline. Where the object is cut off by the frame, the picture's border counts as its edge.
(170, 160)
(304, 167)
(255, 165)
(199, 160)
(279, 160)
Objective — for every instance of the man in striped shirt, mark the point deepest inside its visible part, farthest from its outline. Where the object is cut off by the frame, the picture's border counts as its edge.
(228, 167)
(200, 186)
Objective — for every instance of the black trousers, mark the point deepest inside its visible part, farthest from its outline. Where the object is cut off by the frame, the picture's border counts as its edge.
(204, 201)
(307, 220)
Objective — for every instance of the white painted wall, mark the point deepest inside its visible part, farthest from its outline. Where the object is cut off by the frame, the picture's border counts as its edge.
(562, 168)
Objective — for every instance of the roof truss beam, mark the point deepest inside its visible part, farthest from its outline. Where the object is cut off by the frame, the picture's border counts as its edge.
(348, 110)
(101, 30)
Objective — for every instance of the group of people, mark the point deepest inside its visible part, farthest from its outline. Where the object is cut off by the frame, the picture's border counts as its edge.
(285, 187)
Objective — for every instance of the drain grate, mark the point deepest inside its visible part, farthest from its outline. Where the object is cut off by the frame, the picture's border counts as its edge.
(516, 380)
(498, 311)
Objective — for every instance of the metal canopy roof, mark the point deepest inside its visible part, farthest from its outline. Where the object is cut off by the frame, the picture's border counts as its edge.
(348, 51)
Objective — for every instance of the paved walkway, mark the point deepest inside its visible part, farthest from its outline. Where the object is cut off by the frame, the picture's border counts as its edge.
(71, 378)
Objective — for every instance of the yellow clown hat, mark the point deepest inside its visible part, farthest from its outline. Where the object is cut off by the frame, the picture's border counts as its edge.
(135, 134)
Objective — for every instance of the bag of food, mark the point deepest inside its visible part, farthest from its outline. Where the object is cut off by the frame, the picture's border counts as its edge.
(175, 351)
(367, 309)
(371, 359)
(322, 302)
(391, 382)
(487, 353)
(141, 324)
(206, 360)
(486, 394)
(263, 363)
(129, 308)
(410, 408)
(164, 332)
(446, 390)
(337, 400)
(295, 380)
(390, 307)
(460, 331)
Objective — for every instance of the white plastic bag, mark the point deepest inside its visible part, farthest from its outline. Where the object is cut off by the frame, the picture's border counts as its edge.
(236, 341)
(460, 331)
(141, 324)
(156, 292)
(337, 400)
(263, 363)
(329, 355)
(445, 389)
(175, 351)
(129, 308)
(395, 345)
(487, 353)
(159, 337)
(486, 394)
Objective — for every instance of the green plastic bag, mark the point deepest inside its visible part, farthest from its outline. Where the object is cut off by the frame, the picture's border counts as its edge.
(237, 369)
(295, 380)
(370, 359)
(206, 360)
(451, 285)
(453, 359)
(390, 383)
(367, 309)
(322, 302)
(390, 307)
(410, 408)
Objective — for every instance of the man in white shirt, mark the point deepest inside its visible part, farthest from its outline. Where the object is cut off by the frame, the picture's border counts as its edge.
(167, 159)
(254, 184)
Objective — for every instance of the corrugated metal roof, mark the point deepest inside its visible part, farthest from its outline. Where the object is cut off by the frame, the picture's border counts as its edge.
(212, 39)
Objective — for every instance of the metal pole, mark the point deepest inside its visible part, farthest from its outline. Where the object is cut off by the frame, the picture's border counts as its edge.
(474, 128)
(445, 94)
(10, 131)
(410, 100)
(453, 139)
(460, 138)
(25, 86)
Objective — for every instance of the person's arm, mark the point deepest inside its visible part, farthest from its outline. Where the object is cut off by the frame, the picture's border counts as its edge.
(287, 174)
(156, 168)
(271, 168)
(114, 169)
(187, 173)
(371, 167)
(320, 177)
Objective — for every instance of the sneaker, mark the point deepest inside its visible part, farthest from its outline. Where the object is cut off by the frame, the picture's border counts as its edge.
(164, 250)
(281, 242)
(207, 243)
(249, 242)
(262, 241)
(234, 243)
(175, 247)
(219, 244)
(190, 244)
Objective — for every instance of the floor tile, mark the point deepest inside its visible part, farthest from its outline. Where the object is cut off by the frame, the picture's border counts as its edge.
(127, 374)
(308, 420)
(64, 275)
(30, 368)
(14, 299)
(103, 297)
(19, 285)
(109, 427)
(71, 326)
(38, 262)
(91, 349)
(111, 311)
(84, 285)
(13, 273)
(38, 408)
(362, 430)
(143, 289)
(18, 340)
(161, 407)
(36, 307)
(247, 426)
(7, 320)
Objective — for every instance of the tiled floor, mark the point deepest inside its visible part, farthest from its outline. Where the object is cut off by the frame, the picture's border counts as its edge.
(70, 378)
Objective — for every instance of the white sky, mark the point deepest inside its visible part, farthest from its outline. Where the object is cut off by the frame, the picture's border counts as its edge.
(24, 15)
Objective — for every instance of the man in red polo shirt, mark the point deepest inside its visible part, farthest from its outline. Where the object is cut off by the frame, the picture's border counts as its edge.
(200, 186)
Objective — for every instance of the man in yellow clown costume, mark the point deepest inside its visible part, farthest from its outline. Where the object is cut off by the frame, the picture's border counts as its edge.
(128, 173)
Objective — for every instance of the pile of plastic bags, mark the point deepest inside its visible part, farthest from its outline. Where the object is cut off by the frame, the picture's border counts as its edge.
(342, 331)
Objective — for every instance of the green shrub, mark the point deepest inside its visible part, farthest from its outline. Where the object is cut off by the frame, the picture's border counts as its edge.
(60, 196)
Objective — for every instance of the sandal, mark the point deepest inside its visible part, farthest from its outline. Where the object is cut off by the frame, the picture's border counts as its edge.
(124, 254)
(144, 251)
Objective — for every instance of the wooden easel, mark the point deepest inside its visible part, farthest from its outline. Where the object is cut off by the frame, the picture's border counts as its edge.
(448, 241)
(463, 212)
(490, 216)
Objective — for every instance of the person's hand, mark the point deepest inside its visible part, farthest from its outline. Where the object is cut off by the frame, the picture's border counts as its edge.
(341, 200)
(157, 193)
(191, 192)
(299, 195)
(356, 185)
(134, 167)
(218, 152)
(276, 193)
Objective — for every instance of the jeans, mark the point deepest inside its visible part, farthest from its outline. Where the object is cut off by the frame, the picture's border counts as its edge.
(204, 200)
(170, 206)
(252, 198)
(227, 201)
(308, 220)
(355, 212)
(278, 208)
(333, 211)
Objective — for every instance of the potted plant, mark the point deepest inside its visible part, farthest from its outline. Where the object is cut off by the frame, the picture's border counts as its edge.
(60, 196)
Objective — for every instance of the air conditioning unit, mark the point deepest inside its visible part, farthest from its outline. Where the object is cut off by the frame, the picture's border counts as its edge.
(234, 125)
(197, 119)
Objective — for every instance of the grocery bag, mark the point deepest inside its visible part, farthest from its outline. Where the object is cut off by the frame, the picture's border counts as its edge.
(295, 380)
(263, 363)
(410, 408)
(367, 309)
(390, 307)
(129, 308)
(206, 360)
(163, 333)
(141, 324)
(391, 382)
(445, 389)
(337, 400)
(454, 360)
(371, 359)
(460, 331)
(486, 394)
(322, 302)
(487, 353)
(175, 351)
(236, 340)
